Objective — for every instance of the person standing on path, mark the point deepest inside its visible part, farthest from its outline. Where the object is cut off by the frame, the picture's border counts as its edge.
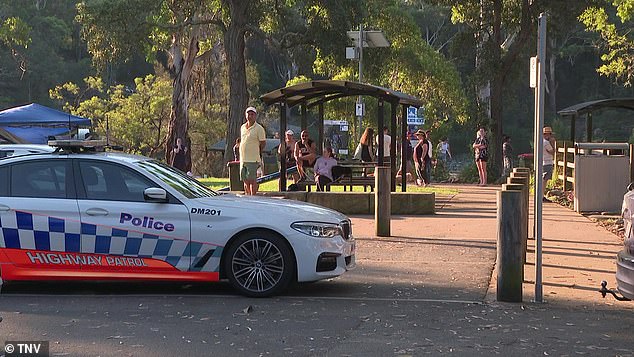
(428, 159)
(252, 141)
(480, 147)
(179, 158)
(420, 156)
(507, 155)
(443, 150)
(549, 157)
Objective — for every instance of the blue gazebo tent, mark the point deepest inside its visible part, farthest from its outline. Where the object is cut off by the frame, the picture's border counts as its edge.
(34, 123)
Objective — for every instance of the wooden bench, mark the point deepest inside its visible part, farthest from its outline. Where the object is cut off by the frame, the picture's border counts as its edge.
(348, 182)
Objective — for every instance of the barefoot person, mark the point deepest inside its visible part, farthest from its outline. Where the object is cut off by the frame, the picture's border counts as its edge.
(480, 147)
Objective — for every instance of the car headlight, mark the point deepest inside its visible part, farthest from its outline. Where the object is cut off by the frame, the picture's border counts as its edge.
(318, 229)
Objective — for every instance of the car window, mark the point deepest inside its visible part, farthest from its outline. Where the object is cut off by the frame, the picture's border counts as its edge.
(4, 181)
(179, 181)
(105, 181)
(41, 178)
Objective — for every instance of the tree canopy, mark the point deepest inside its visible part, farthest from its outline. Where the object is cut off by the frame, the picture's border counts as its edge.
(614, 25)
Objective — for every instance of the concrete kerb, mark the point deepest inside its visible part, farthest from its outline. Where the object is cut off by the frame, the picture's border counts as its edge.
(402, 203)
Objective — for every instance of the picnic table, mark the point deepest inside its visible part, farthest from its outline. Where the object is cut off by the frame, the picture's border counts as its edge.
(349, 174)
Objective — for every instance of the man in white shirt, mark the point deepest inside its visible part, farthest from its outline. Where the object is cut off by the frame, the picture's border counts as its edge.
(549, 156)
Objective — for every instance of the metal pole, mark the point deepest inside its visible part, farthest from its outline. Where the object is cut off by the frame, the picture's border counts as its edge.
(360, 99)
(539, 150)
(283, 117)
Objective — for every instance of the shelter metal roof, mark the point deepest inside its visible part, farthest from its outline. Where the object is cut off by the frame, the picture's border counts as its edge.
(325, 90)
(591, 106)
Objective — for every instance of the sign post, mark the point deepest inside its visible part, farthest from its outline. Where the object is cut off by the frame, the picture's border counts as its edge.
(539, 152)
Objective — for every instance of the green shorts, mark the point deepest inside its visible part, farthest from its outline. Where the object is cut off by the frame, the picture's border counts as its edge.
(248, 171)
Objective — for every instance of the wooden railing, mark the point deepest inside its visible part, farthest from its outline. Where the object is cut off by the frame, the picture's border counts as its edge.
(565, 158)
(565, 163)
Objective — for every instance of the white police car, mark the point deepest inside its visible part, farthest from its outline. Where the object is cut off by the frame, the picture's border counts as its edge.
(80, 215)
(625, 258)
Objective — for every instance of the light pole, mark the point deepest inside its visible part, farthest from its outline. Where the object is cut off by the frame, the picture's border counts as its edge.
(363, 38)
(360, 107)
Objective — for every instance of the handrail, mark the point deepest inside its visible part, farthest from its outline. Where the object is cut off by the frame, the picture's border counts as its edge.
(603, 146)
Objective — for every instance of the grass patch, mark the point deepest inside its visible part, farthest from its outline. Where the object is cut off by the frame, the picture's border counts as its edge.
(216, 183)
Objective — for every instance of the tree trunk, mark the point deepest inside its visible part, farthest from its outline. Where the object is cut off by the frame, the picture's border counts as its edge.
(234, 42)
(497, 83)
(178, 125)
(179, 119)
(502, 65)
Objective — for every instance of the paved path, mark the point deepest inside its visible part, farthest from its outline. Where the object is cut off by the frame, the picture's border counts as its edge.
(577, 253)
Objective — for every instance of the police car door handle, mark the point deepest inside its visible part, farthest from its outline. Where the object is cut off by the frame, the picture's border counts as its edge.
(96, 212)
(4, 208)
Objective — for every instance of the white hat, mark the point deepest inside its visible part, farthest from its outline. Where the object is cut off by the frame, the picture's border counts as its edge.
(289, 132)
(250, 109)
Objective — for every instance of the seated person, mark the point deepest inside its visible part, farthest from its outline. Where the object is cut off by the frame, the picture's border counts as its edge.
(323, 169)
(305, 155)
(288, 150)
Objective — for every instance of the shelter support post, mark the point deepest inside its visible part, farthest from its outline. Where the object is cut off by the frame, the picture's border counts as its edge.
(304, 118)
(631, 163)
(392, 148)
(320, 125)
(404, 152)
(589, 127)
(573, 128)
(282, 181)
(381, 109)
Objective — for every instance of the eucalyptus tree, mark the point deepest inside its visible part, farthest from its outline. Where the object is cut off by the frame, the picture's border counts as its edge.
(14, 36)
(614, 22)
(410, 64)
(179, 34)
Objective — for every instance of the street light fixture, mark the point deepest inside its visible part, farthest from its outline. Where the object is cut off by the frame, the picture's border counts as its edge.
(362, 39)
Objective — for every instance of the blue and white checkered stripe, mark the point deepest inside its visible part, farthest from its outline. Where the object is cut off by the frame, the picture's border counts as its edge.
(24, 230)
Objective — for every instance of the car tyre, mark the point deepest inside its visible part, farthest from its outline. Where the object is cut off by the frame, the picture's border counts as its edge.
(259, 264)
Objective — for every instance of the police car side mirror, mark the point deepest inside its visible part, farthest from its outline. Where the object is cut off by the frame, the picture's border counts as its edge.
(155, 194)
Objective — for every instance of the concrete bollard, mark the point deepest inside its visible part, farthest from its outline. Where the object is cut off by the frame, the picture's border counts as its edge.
(382, 201)
(509, 256)
(523, 213)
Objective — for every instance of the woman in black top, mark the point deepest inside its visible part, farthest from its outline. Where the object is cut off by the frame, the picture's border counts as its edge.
(480, 147)
(420, 157)
(367, 146)
(304, 154)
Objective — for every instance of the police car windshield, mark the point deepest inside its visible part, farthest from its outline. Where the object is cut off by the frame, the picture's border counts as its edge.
(179, 181)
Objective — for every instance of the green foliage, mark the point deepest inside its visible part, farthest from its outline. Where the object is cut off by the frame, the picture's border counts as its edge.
(409, 65)
(137, 120)
(14, 32)
(114, 29)
(618, 43)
